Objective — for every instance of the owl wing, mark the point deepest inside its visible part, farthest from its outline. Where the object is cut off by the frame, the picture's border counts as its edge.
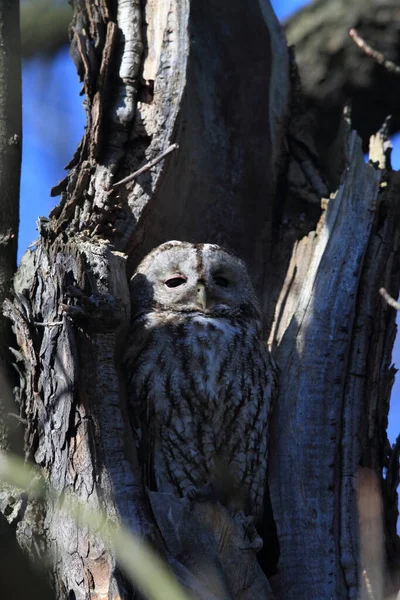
(144, 424)
(141, 409)
(146, 451)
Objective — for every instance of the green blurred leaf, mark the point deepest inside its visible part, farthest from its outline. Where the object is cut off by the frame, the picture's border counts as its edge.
(140, 563)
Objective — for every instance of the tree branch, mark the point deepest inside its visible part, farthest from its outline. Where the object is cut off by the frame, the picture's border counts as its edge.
(147, 166)
(389, 299)
(334, 71)
(377, 56)
(10, 164)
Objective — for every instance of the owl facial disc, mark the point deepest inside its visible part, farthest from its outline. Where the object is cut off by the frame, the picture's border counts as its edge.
(191, 278)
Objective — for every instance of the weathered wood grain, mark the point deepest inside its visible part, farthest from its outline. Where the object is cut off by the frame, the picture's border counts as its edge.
(332, 347)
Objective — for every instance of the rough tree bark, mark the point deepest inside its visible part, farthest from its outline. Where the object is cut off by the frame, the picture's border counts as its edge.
(216, 78)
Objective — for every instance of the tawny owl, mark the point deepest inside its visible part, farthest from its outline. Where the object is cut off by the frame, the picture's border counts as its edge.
(200, 374)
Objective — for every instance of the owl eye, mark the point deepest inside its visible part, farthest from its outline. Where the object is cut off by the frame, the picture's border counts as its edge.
(175, 282)
(221, 281)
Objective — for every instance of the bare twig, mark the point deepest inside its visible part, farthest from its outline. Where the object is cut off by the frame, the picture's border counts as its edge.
(147, 166)
(48, 323)
(368, 585)
(18, 418)
(378, 57)
(391, 301)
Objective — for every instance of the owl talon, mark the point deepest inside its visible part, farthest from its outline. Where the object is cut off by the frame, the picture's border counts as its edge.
(249, 522)
(252, 539)
(256, 544)
(206, 493)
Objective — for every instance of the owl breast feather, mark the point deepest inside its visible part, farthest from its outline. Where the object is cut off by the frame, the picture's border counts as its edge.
(201, 389)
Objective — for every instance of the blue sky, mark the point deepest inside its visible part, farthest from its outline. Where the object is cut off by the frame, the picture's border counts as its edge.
(53, 125)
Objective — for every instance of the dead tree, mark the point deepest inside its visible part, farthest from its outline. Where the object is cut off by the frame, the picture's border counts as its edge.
(217, 79)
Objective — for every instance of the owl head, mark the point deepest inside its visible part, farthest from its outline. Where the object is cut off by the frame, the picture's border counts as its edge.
(192, 278)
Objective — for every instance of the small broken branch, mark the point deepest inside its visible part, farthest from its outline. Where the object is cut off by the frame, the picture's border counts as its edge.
(378, 57)
(389, 299)
(48, 323)
(147, 166)
(368, 585)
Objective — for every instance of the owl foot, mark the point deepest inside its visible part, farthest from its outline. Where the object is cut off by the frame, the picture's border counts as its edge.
(252, 539)
(206, 493)
(103, 311)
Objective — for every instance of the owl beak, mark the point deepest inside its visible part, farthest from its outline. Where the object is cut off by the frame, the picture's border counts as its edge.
(201, 295)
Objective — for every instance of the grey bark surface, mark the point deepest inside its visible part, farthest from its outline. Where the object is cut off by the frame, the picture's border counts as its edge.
(330, 318)
(244, 176)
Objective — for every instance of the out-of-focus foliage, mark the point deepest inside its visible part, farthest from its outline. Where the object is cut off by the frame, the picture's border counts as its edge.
(44, 26)
(334, 71)
(139, 562)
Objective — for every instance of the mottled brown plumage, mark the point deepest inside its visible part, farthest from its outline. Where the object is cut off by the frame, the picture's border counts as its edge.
(200, 374)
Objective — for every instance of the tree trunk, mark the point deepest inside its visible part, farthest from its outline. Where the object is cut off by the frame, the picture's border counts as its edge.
(10, 166)
(215, 78)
